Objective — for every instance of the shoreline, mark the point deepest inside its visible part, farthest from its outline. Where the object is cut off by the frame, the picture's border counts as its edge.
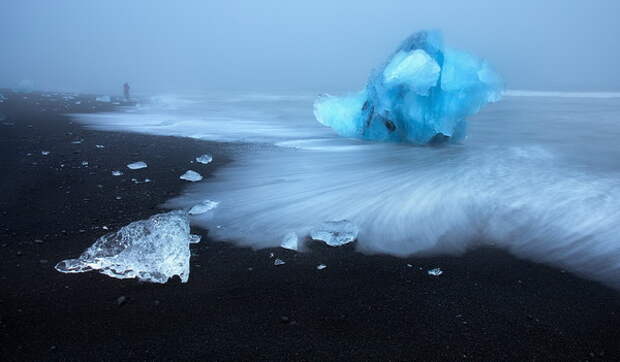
(487, 304)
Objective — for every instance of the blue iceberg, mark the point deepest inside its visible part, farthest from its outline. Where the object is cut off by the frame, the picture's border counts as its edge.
(422, 94)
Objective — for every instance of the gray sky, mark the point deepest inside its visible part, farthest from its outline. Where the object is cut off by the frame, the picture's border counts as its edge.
(163, 46)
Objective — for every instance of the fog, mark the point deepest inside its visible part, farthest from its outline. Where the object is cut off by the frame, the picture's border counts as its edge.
(165, 46)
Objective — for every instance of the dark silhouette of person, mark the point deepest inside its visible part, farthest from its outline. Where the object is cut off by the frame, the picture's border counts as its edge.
(126, 91)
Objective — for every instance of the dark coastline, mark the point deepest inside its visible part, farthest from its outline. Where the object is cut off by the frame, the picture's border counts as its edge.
(488, 305)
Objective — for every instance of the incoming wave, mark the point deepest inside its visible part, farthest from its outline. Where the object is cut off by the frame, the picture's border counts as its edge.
(538, 177)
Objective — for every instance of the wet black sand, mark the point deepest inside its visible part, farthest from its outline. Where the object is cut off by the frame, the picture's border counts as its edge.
(237, 305)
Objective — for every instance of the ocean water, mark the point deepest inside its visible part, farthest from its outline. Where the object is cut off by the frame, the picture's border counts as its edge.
(538, 175)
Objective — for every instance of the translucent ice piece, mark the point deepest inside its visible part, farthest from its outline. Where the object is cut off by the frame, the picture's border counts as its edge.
(203, 207)
(151, 250)
(321, 266)
(137, 165)
(205, 159)
(335, 233)
(104, 99)
(190, 175)
(435, 272)
(279, 262)
(116, 173)
(290, 241)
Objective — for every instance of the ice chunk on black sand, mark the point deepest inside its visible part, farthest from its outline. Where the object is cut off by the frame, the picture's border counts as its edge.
(151, 250)
(204, 159)
(191, 176)
(335, 233)
(137, 165)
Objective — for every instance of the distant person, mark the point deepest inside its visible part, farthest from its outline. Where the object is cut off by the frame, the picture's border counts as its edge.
(126, 91)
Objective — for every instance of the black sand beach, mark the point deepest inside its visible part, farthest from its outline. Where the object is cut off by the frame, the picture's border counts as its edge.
(237, 305)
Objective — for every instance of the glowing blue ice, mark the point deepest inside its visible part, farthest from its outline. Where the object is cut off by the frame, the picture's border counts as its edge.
(422, 94)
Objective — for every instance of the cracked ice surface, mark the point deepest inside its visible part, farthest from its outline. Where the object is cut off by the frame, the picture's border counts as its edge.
(422, 94)
(151, 250)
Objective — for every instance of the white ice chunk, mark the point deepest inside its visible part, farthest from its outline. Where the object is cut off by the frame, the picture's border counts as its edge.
(137, 165)
(104, 99)
(151, 250)
(100, 146)
(206, 158)
(45, 153)
(335, 233)
(416, 69)
(203, 207)
(190, 175)
(321, 266)
(279, 262)
(290, 241)
(194, 239)
(116, 173)
(84, 163)
(435, 272)
(77, 142)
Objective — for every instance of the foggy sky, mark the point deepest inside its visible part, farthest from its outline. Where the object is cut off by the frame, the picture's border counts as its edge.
(164, 46)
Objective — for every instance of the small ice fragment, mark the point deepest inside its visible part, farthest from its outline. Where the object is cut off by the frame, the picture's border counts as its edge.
(137, 165)
(104, 99)
(151, 250)
(100, 146)
(136, 181)
(116, 173)
(78, 102)
(84, 163)
(104, 227)
(335, 233)
(279, 262)
(194, 239)
(77, 142)
(45, 153)
(321, 266)
(203, 207)
(190, 175)
(435, 272)
(409, 266)
(290, 241)
(271, 255)
(205, 159)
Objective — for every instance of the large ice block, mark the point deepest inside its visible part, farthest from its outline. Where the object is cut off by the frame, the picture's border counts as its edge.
(151, 250)
(422, 94)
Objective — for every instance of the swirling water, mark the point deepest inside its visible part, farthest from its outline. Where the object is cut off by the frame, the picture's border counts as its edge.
(539, 175)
